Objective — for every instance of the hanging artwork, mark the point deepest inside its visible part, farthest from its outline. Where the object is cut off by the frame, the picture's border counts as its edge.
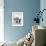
(17, 18)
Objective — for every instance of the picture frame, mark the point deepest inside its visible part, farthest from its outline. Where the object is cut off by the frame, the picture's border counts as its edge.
(17, 18)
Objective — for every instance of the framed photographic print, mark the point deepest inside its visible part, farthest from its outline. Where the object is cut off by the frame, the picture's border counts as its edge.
(17, 18)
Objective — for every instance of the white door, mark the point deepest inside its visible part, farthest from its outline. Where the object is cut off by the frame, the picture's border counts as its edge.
(1, 20)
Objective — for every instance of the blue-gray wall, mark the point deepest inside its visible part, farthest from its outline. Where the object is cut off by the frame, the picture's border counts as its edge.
(29, 7)
(43, 6)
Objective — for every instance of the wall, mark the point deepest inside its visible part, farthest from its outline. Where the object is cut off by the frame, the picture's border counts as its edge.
(43, 6)
(29, 7)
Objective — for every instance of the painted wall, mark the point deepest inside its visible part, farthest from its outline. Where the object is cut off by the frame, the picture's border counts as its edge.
(43, 6)
(29, 7)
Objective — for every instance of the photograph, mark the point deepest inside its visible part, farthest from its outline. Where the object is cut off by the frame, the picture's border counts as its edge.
(17, 18)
